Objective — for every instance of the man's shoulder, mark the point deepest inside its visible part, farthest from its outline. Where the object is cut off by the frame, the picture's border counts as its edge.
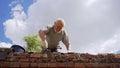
(48, 27)
(64, 32)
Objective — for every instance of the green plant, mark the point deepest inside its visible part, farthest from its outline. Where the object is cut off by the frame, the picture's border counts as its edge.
(33, 43)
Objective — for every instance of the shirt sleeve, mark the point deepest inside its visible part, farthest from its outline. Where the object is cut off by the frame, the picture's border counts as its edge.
(65, 38)
(46, 29)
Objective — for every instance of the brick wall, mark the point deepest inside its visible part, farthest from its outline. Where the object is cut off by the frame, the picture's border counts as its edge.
(61, 60)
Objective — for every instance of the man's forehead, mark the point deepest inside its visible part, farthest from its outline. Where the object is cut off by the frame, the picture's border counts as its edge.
(59, 23)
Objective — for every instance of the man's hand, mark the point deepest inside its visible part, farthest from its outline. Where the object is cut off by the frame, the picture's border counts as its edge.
(68, 47)
(44, 44)
(42, 35)
(68, 51)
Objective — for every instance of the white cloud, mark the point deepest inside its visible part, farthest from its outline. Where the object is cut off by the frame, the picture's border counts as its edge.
(5, 45)
(111, 44)
(87, 22)
(18, 12)
(90, 2)
(15, 28)
(18, 7)
(91, 25)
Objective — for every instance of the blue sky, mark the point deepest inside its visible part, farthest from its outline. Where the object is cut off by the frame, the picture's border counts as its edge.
(92, 25)
(5, 13)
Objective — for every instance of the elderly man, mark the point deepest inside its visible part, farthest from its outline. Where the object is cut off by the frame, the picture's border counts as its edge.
(53, 35)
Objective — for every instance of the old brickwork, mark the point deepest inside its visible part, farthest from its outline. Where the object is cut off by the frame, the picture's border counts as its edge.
(60, 60)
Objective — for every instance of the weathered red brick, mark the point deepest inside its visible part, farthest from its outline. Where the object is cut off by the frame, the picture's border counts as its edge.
(22, 54)
(117, 56)
(24, 59)
(70, 64)
(33, 64)
(14, 64)
(12, 59)
(24, 64)
(61, 65)
(79, 65)
(4, 64)
(52, 65)
(45, 65)
(64, 60)
(36, 55)
(98, 65)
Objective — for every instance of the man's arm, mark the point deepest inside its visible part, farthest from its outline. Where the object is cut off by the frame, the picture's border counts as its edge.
(65, 40)
(43, 32)
(68, 47)
(42, 36)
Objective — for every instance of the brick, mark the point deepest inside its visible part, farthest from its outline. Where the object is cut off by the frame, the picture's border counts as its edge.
(52, 65)
(70, 65)
(39, 60)
(75, 60)
(52, 60)
(45, 60)
(83, 65)
(13, 59)
(88, 65)
(100, 65)
(71, 61)
(24, 64)
(33, 64)
(109, 65)
(71, 55)
(36, 55)
(114, 65)
(4, 64)
(60, 65)
(33, 59)
(45, 65)
(22, 54)
(105, 65)
(14, 64)
(45, 56)
(24, 59)
(79, 65)
(117, 56)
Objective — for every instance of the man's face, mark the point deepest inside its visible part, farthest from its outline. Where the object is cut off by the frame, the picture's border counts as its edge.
(58, 26)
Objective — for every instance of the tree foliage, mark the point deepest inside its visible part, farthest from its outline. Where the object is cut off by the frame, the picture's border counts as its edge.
(33, 43)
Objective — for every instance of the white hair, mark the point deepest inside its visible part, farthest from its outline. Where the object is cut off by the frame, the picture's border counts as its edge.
(61, 20)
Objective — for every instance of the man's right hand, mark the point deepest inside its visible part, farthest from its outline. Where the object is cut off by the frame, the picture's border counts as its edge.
(42, 35)
(44, 44)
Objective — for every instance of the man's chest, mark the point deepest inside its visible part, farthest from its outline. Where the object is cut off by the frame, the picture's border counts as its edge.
(55, 36)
